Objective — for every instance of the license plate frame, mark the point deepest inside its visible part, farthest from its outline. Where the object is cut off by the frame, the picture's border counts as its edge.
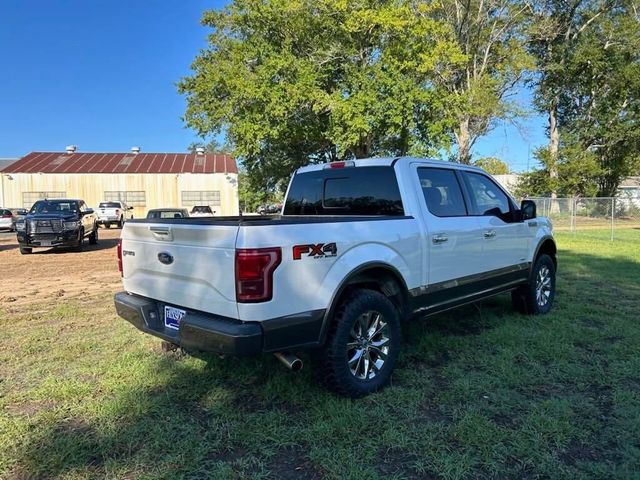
(45, 243)
(173, 316)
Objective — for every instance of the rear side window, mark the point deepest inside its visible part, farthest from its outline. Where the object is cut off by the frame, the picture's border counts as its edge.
(345, 191)
(442, 192)
(489, 199)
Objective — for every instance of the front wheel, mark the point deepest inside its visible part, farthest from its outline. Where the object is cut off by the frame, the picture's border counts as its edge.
(107, 225)
(536, 297)
(362, 346)
(120, 222)
(93, 238)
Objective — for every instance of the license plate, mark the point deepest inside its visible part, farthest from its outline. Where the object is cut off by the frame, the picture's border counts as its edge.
(173, 317)
(45, 243)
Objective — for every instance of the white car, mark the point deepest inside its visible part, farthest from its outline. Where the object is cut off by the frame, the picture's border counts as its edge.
(6, 220)
(112, 213)
(360, 246)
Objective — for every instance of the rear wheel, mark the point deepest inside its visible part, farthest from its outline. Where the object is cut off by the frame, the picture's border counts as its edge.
(536, 297)
(362, 347)
(108, 225)
(120, 222)
(25, 250)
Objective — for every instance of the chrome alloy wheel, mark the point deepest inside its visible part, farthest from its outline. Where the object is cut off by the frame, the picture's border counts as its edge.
(368, 346)
(543, 286)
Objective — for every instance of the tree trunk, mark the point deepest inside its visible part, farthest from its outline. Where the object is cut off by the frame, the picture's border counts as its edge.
(464, 142)
(554, 146)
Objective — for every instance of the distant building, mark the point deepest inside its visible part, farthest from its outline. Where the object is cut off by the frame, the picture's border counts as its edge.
(509, 182)
(630, 187)
(142, 180)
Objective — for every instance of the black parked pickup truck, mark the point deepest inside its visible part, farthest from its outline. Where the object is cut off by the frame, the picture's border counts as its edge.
(57, 223)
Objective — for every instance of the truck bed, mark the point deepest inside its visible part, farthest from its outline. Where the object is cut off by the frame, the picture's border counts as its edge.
(262, 220)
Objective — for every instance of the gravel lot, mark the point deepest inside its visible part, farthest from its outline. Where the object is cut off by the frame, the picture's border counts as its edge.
(53, 274)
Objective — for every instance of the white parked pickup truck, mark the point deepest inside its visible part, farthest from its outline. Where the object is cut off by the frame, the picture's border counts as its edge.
(112, 212)
(360, 246)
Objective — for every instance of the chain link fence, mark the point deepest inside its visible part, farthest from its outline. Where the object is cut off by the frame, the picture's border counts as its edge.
(584, 214)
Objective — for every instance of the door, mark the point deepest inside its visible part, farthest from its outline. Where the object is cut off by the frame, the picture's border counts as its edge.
(504, 238)
(453, 251)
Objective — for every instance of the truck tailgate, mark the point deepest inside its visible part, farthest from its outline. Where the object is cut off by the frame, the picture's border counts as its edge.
(182, 264)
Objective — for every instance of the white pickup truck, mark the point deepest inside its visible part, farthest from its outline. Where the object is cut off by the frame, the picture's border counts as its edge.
(112, 212)
(360, 246)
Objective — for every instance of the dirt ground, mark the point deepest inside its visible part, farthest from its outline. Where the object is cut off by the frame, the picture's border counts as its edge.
(50, 274)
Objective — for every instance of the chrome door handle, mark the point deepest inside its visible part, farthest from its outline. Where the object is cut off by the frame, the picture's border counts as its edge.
(441, 238)
(489, 234)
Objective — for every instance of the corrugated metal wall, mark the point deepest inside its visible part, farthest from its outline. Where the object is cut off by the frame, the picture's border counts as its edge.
(161, 190)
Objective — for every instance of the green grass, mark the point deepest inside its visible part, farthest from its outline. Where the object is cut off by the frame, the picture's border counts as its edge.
(480, 392)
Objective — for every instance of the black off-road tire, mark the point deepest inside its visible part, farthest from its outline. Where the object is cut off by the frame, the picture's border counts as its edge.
(80, 243)
(528, 299)
(107, 225)
(331, 361)
(120, 222)
(26, 250)
(93, 238)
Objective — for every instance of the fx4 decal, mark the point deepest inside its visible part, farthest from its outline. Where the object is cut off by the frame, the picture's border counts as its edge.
(320, 250)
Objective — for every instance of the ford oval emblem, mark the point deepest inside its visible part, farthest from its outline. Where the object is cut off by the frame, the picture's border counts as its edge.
(165, 258)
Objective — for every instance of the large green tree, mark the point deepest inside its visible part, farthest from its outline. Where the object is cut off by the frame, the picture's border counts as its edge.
(299, 81)
(491, 37)
(588, 83)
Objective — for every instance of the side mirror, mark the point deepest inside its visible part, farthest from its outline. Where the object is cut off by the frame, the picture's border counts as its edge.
(528, 209)
(129, 208)
(88, 211)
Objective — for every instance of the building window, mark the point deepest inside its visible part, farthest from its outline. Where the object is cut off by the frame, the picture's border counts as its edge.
(195, 197)
(29, 198)
(131, 198)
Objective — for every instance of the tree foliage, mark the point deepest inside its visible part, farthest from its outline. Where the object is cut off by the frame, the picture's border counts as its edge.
(588, 80)
(490, 34)
(299, 81)
(492, 165)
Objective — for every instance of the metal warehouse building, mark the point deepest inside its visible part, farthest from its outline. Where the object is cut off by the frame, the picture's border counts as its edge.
(142, 180)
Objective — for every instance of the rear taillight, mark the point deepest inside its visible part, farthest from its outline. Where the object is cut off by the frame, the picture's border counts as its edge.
(120, 256)
(7, 216)
(254, 273)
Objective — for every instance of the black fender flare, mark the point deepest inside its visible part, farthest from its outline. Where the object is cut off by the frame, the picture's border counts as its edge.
(337, 294)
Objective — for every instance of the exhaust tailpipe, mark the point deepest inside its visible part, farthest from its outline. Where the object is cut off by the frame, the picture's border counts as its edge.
(289, 360)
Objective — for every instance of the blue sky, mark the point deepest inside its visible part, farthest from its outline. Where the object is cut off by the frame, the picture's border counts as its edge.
(101, 74)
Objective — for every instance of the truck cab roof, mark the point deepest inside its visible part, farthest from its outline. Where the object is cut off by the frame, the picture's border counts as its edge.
(385, 162)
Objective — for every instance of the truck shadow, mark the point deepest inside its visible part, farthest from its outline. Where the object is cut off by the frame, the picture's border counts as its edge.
(201, 420)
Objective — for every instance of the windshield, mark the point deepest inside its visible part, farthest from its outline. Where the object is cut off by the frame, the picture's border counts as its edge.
(109, 205)
(167, 214)
(201, 210)
(54, 206)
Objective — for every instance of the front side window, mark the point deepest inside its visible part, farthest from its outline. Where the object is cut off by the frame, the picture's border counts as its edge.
(487, 197)
(442, 192)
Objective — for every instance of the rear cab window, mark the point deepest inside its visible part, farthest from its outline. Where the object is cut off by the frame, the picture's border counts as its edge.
(345, 191)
